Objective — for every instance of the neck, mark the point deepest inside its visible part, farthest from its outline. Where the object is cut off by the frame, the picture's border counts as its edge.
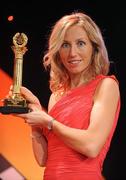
(76, 81)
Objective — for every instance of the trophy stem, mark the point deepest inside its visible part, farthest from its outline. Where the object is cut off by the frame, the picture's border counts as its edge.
(17, 79)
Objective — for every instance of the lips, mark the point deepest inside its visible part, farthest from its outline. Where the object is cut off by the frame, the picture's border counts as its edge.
(74, 61)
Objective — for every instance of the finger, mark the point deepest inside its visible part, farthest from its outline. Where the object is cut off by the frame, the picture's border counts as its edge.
(34, 107)
(10, 93)
(11, 87)
(26, 121)
(29, 95)
(29, 122)
(7, 96)
(21, 115)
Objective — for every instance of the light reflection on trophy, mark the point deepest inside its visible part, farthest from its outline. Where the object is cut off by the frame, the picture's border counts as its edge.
(17, 103)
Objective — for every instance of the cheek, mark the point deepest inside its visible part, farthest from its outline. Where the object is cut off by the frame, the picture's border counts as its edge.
(63, 55)
(88, 60)
(88, 55)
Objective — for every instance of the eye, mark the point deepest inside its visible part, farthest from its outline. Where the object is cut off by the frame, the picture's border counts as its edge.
(65, 45)
(81, 43)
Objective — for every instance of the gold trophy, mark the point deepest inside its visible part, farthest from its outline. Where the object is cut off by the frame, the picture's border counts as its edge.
(17, 103)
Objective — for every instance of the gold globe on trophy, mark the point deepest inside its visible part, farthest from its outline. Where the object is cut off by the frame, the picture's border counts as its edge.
(16, 103)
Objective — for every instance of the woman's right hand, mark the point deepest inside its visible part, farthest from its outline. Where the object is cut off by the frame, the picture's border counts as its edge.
(28, 95)
(37, 117)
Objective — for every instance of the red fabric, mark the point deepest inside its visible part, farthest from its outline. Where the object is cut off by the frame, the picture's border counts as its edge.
(73, 110)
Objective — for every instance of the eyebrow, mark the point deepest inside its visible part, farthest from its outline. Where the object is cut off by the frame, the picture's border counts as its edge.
(79, 39)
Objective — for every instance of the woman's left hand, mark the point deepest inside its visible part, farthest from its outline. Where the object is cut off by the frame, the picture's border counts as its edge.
(36, 117)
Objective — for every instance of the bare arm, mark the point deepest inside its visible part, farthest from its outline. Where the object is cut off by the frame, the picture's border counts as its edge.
(39, 145)
(89, 142)
(39, 142)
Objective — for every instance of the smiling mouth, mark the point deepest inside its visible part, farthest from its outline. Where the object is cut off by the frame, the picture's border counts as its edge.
(74, 61)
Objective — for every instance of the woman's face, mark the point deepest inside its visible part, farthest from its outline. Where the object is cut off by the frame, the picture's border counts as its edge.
(76, 50)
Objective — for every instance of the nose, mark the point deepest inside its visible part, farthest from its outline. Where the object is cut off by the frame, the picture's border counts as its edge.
(73, 51)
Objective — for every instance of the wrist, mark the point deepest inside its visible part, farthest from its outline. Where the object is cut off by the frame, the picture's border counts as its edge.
(50, 124)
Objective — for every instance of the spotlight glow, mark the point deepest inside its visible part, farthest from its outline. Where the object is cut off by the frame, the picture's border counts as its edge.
(10, 18)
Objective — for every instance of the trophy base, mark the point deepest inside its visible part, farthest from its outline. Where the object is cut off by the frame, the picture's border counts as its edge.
(13, 109)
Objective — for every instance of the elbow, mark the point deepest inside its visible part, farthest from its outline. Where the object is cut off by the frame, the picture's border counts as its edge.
(41, 163)
(41, 160)
(91, 150)
(92, 154)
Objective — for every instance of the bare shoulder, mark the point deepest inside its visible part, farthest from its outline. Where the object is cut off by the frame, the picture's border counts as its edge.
(109, 83)
(108, 86)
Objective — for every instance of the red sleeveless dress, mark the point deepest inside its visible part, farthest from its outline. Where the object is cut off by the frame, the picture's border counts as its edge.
(74, 110)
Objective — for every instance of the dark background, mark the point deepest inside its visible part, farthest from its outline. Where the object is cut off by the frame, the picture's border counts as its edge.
(35, 20)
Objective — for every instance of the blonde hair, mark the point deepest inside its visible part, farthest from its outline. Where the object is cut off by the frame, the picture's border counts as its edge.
(59, 77)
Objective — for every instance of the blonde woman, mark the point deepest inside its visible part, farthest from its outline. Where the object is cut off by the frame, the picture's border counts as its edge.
(72, 139)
